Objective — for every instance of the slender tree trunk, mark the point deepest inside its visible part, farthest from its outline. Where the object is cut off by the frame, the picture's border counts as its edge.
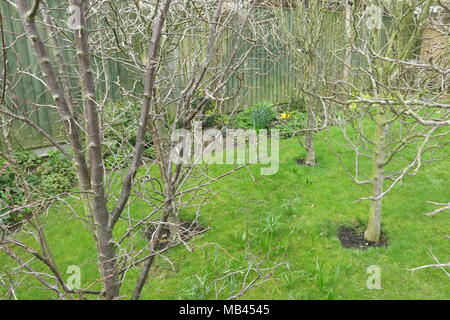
(62, 68)
(373, 230)
(147, 105)
(97, 205)
(51, 81)
(154, 247)
(150, 78)
(348, 37)
(105, 244)
(310, 159)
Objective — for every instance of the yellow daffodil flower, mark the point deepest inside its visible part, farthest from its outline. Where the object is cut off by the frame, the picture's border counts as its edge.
(285, 115)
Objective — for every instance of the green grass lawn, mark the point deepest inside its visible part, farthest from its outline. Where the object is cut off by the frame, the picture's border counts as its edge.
(289, 217)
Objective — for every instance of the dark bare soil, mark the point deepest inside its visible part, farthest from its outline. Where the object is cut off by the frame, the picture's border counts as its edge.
(17, 226)
(13, 228)
(302, 162)
(354, 239)
(186, 229)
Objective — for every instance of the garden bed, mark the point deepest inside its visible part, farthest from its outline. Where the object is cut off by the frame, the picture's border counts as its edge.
(187, 230)
(352, 238)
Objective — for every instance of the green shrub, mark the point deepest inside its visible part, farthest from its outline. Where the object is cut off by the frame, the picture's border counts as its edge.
(31, 178)
(215, 120)
(259, 116)
(11, 194)
(291, 125)
(56, 174)
(262, 115)
(242, 120)
(27, 159)
(211, 116)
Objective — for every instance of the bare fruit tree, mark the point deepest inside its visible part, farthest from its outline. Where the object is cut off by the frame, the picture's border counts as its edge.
(394, 105)
(176, 70)
(303, 27)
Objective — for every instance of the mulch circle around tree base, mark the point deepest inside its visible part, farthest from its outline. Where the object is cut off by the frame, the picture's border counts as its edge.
(187, 230)
(302, 162)
(352, 238)
(17, 226)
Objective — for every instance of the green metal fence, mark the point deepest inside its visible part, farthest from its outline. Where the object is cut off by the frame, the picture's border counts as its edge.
(32, 98)
(270, 74)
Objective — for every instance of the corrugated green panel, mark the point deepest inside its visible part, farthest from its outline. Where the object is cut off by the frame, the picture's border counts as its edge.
(269, 73)
(31, 94)
(30, 91)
